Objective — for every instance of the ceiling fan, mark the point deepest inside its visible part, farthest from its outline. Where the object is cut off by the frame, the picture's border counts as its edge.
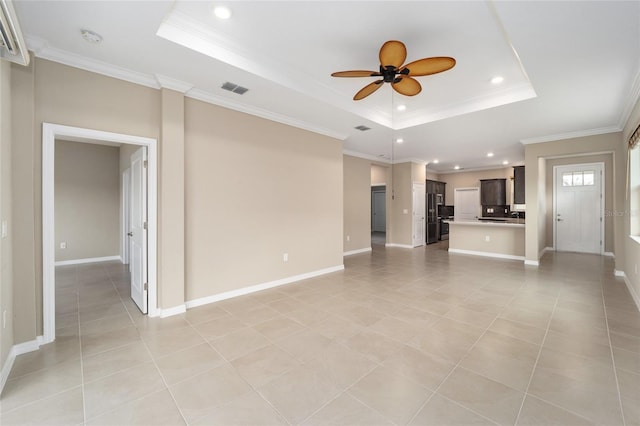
(392, 55)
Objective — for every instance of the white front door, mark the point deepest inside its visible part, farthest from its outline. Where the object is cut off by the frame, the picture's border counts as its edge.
(467, 203)
(418, 214)
(138, 231)
(578, 214)
(379, 211)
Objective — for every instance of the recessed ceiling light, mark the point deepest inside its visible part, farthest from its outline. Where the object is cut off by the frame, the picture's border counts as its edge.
(489, 154)
(90, 36)
(222, 12)
(401, 107)
(505, 162)
(497, 79)
(399, 140)
(436, 161)
(457, 167)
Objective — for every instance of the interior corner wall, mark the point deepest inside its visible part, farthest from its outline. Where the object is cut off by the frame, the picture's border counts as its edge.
(378, 174)
(6, 259)
(87, 199)
(357, 175)
(401, 206)
(255, 190)
(607, 159)
(536, 156)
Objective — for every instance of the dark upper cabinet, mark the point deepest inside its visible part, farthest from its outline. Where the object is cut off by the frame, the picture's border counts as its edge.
(493, 192)
(518, 185)
(436, 187)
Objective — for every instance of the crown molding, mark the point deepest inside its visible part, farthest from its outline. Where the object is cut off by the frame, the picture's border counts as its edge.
(207, 97)
(173, 84)
(571, 135)
(366, 156)
(42, 50)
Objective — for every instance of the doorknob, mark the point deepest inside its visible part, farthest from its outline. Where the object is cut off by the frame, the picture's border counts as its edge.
(559, 220)
(130, 234)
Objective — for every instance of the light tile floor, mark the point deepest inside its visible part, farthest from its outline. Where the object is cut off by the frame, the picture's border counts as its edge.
(400, 337)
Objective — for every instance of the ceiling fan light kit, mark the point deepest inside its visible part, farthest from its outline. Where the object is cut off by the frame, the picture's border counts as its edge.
(392, 55)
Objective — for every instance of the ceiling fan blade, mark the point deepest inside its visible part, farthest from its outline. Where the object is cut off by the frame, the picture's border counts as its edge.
(355, 73)
(428, 66)
(407, 86)
(368, 89)
(393, 53)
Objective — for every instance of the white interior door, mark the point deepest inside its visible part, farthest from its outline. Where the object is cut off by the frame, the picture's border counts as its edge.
(126, 212)
(138, 231)
(578, 214)
(379, 211)
(418, 214)
(467, 203)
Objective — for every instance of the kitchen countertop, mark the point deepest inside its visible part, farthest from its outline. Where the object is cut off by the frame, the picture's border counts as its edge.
(507, 222)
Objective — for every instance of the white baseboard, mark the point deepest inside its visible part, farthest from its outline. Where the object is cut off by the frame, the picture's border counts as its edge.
(398, 245)
(87, 260)
(169, 312)
(486, 254)
(632, 291)
(358, 251)
(19, 349)
(532, 262)
(259, 287)
(609, 254)
(546, 249)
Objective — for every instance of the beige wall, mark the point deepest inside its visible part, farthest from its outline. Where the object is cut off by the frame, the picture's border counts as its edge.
(399, 221)
(87, 202)
(432, 175)
(471, 179)
(607, 159)
(536, 157)
(378, 174)
(631, 248)
(358, 175)
(256, 189)
(6, 259)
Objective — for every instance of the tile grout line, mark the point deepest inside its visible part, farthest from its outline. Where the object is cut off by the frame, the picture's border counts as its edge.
(613, 359)
(435, 391)
(535, 365)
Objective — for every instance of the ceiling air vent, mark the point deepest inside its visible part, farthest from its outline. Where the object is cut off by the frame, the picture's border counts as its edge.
(234, 88)
(12, 45)
(362, 128)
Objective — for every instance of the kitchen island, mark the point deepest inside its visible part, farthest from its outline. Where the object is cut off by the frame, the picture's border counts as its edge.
(502, 238)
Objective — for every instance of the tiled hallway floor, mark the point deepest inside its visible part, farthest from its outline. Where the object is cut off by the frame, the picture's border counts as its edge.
(400, 337)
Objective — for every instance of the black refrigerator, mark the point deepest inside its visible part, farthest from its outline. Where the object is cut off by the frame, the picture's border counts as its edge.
(433, 232)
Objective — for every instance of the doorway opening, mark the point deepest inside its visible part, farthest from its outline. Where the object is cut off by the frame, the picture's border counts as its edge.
(578, 208)
(378, 214)
(51, 132)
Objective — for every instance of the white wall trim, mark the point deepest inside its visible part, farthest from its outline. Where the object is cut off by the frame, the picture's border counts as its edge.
(398, 245)
(49, 134)
(632, 291)
(531, 262)
(362, 250)
(486, 254)
(259, 287)
(541, 253)
(176, 310)
(609, 254)
(88, 260)
(373, 158)
(571, 135)
(19, 349)
(546, 249)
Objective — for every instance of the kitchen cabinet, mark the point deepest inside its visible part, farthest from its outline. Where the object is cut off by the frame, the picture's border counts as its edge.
(493, 192)
(518, 185)
(436, 187)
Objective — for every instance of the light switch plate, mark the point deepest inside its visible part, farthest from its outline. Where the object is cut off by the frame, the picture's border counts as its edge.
(5, 230)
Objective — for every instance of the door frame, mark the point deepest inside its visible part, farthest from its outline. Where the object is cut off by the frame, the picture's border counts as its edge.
(125, 215)
(76, 134)
(422, 190)
(373, 192)
(600, 166)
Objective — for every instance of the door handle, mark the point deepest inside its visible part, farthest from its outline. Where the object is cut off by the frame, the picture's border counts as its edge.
(130, 234)
(560, 220)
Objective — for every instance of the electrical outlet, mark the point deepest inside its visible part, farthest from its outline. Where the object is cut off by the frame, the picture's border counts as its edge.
(487, 238)
(405, 211)
(348, 238)
(4, 229)
(285, 257)
(63, 245)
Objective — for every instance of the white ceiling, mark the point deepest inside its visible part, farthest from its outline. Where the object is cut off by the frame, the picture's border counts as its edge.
(570, 68)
